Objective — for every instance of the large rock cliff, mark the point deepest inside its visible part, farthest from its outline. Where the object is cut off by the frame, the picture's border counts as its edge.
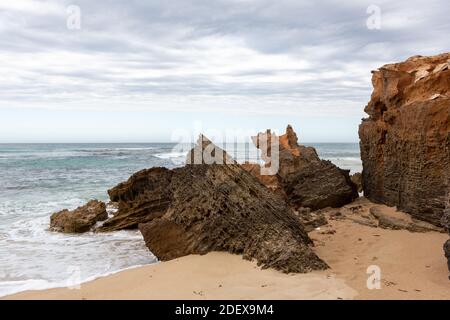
(405, 141)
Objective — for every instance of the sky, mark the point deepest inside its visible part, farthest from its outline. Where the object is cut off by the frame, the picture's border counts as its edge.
(146, 71)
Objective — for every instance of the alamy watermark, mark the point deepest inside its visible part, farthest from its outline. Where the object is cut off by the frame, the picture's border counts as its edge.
(227, 147)
(374, 279)
(73, 21)
(373, 22)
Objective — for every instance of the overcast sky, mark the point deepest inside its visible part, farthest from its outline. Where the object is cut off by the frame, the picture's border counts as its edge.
(140, 70)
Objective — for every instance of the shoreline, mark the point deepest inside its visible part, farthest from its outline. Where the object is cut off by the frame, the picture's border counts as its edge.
(216, 275)
(411, 264)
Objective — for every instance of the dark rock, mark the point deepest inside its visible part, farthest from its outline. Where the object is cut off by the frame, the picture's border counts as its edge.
(146, 195)
(445, 220)
(305, 179)
(213, 207)
(447, 252)
(405, 142)
(446, 224)
(82, 219)
(357, 180)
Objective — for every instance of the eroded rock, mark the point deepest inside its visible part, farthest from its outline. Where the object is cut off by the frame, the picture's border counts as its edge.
(82, 219)
(447, 253)
(389, 218)
(212, 207)
(405, 142)
(446, 224)
(146, 195)
(305, 179)
(357, 180)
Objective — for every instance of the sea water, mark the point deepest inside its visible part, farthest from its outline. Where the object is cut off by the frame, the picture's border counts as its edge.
(37, 180)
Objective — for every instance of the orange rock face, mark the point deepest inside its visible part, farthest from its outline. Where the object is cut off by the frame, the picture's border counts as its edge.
(405, 142)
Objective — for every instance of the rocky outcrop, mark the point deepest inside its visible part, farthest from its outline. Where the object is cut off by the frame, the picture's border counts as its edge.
(445, 220)
(303, 178)
(405, 141)
(82, 219)
(389, 218)
(205, 152)
(446, 224)
(207, 207)
(357, 180)
(270, 181)
(146, 195)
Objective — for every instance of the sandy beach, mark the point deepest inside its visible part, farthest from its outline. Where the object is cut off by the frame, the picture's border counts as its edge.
(411, 265)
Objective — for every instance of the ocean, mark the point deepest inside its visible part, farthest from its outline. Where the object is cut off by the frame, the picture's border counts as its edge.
(37, 180)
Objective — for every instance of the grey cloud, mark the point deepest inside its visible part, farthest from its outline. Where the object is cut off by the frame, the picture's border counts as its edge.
(147, 48)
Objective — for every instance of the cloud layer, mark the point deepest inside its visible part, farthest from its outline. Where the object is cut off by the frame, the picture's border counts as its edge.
(284, 57)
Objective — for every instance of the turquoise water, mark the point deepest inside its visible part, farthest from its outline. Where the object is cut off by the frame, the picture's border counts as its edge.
(39, 179)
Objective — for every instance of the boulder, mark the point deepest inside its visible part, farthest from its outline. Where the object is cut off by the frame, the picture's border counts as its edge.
(203, 207)
(390, 218)
(405, 141)
(270, 181)
(446, 224)
(445, 220)
(304, 179)
(82, 219)
(447, 253)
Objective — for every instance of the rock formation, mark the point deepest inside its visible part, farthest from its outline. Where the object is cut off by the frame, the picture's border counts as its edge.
(212, 207)
(146, 195)
(82, 219)
(357, 180)
(303, 178)
(446, 224)
(405, 141)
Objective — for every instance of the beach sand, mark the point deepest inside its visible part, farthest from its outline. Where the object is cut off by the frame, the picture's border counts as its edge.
(412, 267)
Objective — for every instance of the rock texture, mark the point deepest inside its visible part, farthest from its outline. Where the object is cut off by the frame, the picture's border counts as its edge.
(389, 218)
(357, 180)
(212, 207)
(82, 219)
(405, 141)
(446, 224)
(146, 195)
(303, 178)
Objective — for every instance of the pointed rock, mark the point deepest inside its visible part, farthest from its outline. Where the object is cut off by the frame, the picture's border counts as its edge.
(212, 207)
(305, 179)
(80, 220)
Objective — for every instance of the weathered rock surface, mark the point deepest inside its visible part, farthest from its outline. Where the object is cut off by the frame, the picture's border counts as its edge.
(357, 180)
(304, 179)
(205, 152)
(146, 195)
(389, 218)
(270, 181)
(311, 219)
(445, 221)
(212, 207)
(82, 219)
(405, 142)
